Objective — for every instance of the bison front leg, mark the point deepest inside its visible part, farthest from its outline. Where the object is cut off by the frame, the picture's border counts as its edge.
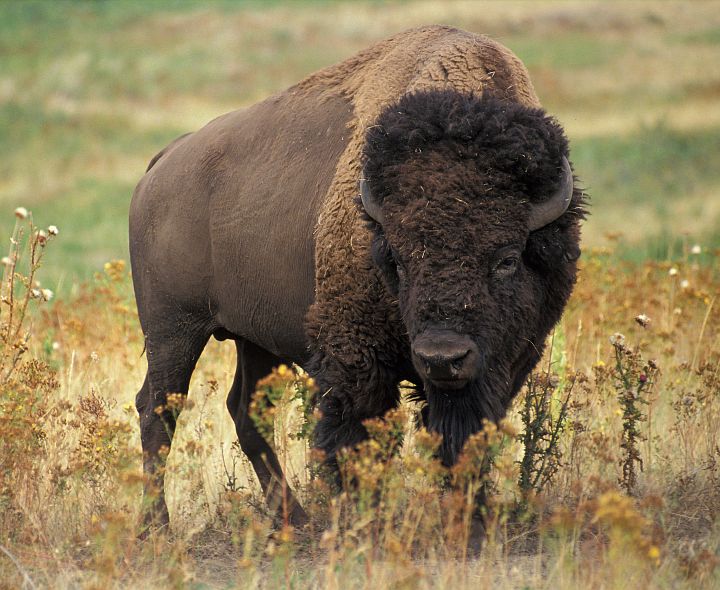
(358, 346)
(343, 408)
(337, 429)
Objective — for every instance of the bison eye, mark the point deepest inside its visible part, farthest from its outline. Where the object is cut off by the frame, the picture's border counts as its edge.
(506, 266)
(399, 266)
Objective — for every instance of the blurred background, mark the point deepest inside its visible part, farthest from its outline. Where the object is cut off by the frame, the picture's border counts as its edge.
(90, 91)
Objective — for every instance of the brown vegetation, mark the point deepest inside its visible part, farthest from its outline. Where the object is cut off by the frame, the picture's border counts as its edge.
(606, 472)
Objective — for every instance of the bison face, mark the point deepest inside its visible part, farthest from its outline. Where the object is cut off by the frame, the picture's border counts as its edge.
(468, 201)
(470, 300)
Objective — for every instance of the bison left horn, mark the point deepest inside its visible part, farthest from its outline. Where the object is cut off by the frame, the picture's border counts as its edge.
(548, 211)
(372, 207)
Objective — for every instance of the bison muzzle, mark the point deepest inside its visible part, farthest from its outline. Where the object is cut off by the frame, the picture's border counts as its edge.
(408, 214)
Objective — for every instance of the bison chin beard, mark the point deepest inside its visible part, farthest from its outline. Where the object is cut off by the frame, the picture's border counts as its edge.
(457, 415)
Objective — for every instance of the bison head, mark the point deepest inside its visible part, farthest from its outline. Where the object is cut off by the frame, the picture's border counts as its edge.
(475, 230)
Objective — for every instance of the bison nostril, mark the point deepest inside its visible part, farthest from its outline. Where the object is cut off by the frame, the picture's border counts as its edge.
(458, 362)
(444, 356)
(449, 364)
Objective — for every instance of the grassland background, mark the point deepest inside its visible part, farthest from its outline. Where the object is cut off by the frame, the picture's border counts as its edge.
(90, 91)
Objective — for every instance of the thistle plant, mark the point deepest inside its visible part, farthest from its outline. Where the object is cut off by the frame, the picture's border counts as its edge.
(633, 379)
(25, 387)
(19, 287)
(544, 416)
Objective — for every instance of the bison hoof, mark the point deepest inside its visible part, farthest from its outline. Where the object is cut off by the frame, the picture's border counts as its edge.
(298, 518)
(155, 520)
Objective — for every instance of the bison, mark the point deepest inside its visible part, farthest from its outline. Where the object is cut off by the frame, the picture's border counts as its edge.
(407, 214)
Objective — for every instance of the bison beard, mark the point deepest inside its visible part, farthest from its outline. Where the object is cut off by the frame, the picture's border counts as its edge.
(457, 417)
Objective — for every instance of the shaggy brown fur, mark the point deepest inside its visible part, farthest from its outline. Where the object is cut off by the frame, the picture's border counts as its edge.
(456, 175)
(355, 329)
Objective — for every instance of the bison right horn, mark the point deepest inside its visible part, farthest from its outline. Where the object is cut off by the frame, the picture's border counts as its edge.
(548, 211)
(372, 207)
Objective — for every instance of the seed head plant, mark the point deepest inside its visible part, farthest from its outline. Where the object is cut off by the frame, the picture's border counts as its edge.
(26, 384)
(633, 379)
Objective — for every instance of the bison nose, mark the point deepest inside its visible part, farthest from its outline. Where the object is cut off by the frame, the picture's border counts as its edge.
(446, 358)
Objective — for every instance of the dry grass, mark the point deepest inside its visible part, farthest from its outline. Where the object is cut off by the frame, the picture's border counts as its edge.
(624, 475)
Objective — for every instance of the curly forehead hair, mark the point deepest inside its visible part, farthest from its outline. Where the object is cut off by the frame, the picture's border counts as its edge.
(522, 142)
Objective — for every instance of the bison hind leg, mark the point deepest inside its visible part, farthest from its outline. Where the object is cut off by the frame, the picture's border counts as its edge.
(171, 361)
(253, 363)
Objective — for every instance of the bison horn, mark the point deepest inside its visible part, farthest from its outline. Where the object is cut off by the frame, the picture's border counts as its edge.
(548, 211)
(372, 207)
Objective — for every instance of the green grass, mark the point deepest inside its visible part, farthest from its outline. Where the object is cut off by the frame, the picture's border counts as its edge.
(655, 166)
(128, 50)
(90, 91)
(28, 131)
(93, 221)
(660, 183)
(709, 35)
(566, 51)
(72, 171)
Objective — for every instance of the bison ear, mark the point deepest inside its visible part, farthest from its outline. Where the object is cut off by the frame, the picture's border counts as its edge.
(383, 260)
(553, 246)
(371, 206)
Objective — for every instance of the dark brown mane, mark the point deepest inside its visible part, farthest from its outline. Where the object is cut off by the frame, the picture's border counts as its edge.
(522, 143)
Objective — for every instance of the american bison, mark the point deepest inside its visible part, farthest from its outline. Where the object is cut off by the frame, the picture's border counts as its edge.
(407, 214)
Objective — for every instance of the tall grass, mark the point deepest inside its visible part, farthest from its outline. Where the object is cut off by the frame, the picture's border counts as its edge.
(605, 472)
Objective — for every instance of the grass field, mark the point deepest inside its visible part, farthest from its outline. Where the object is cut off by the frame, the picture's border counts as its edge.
(627, 494)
